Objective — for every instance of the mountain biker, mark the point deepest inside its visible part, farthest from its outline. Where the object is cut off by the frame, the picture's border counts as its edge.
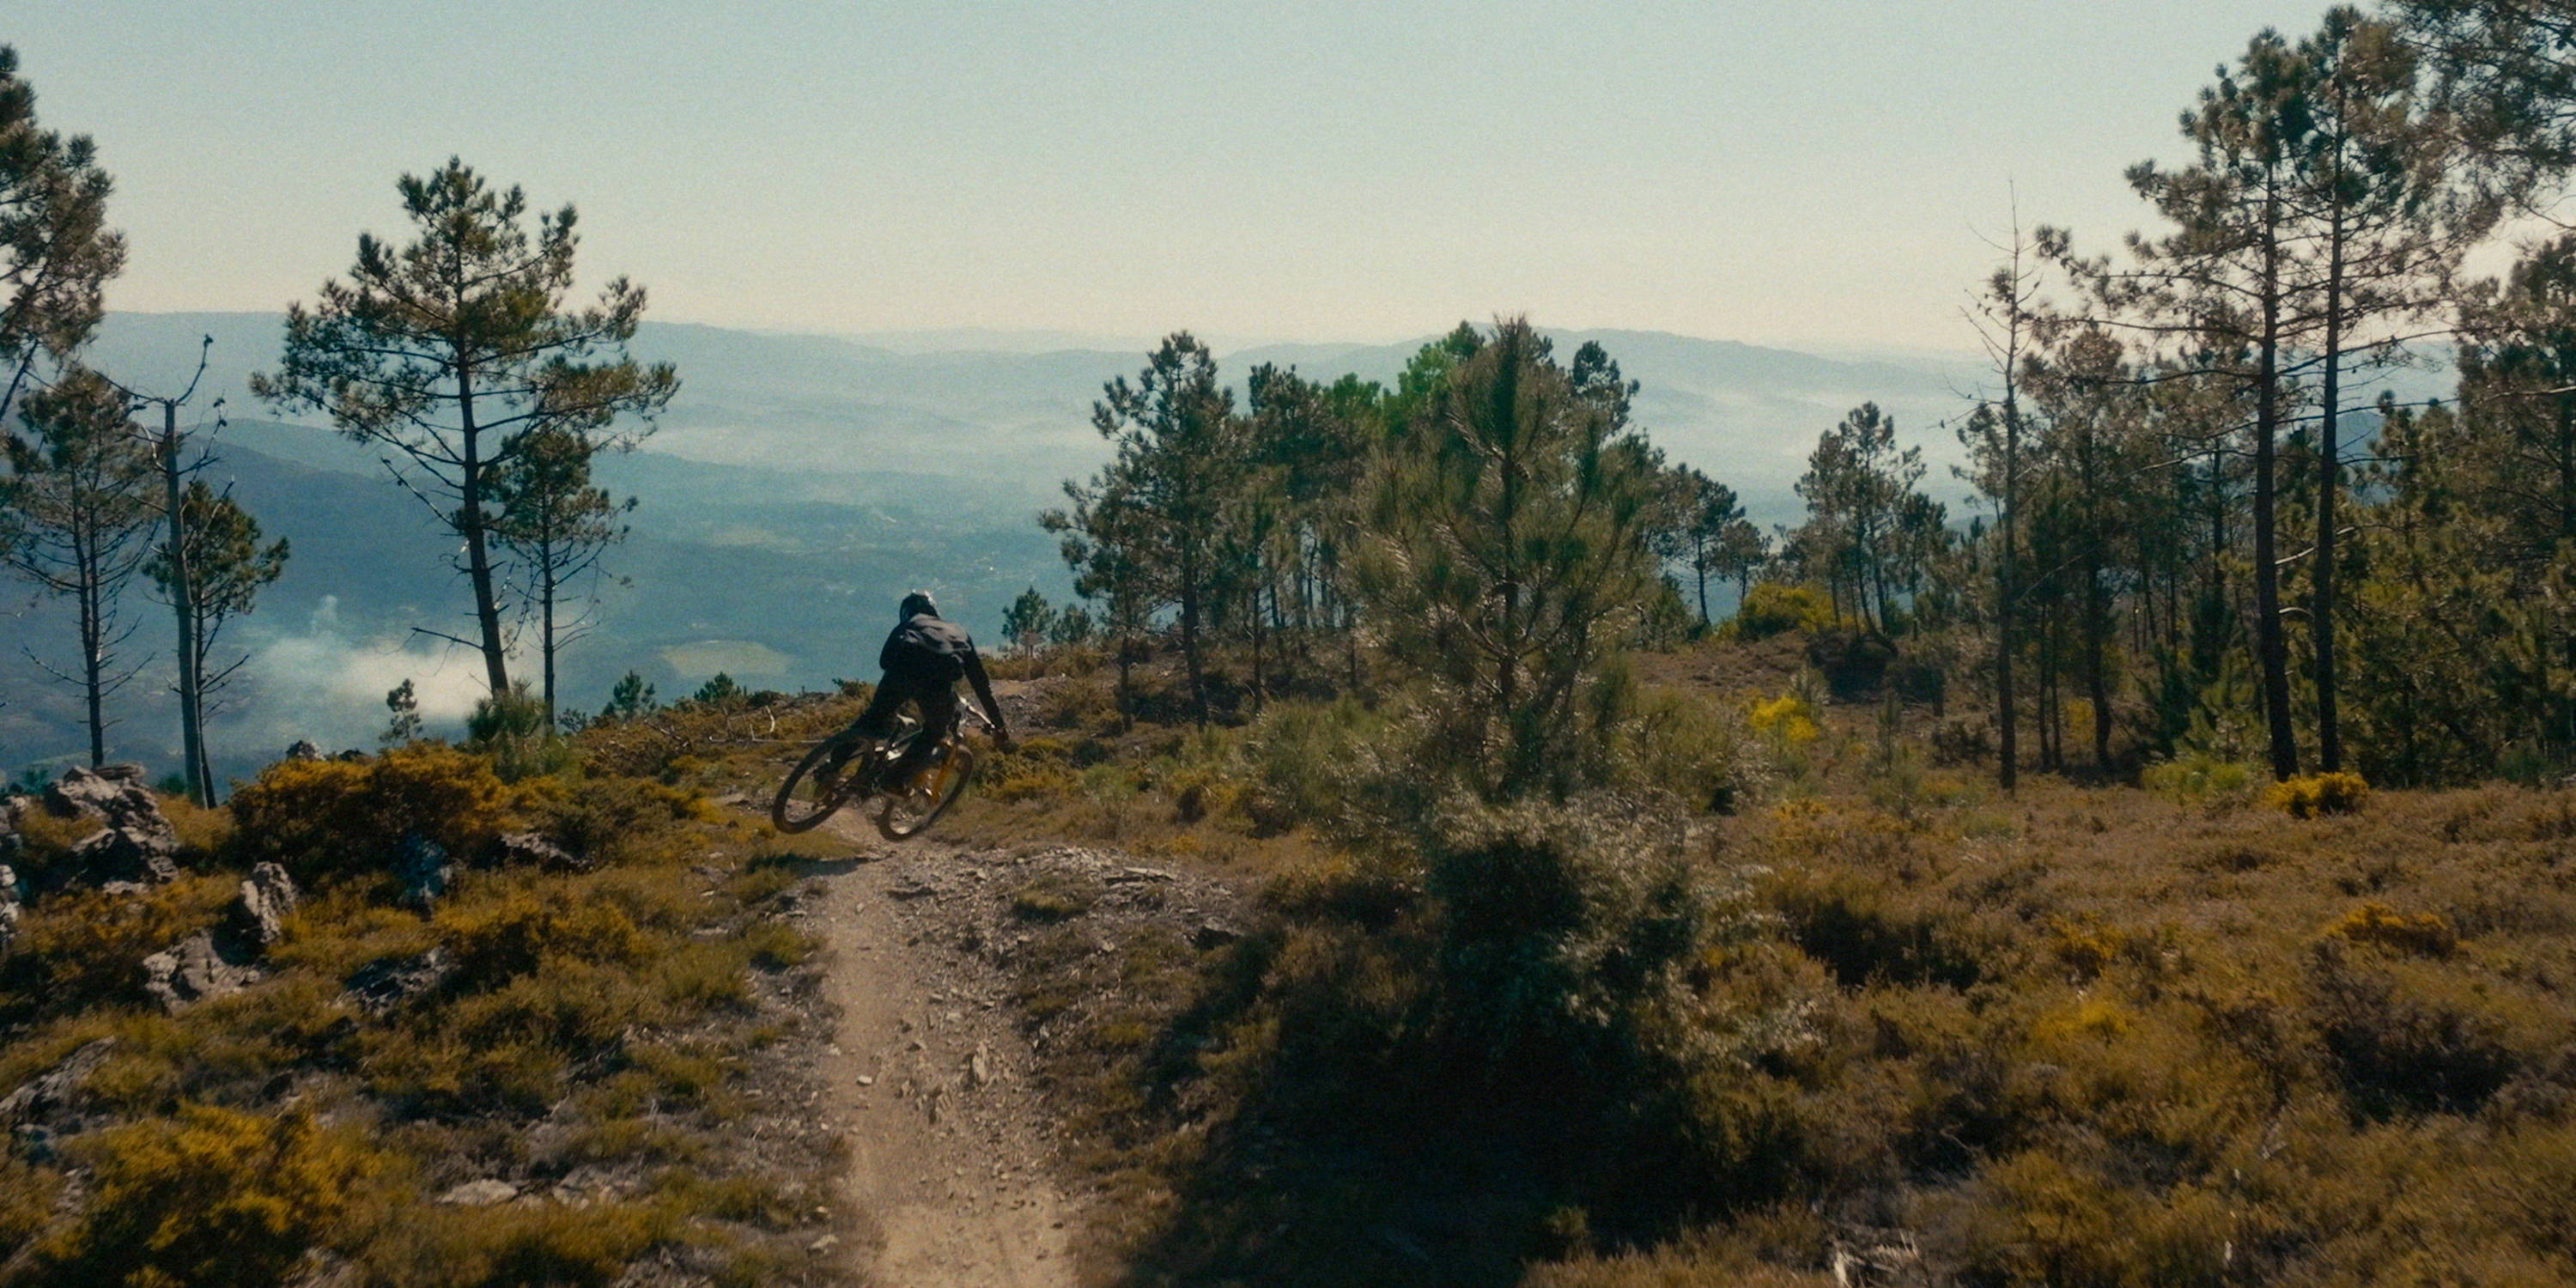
(924, 658)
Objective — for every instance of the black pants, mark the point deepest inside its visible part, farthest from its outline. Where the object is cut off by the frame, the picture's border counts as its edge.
(934, 697)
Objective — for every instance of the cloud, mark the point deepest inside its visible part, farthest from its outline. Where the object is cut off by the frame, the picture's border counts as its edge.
(328, 684)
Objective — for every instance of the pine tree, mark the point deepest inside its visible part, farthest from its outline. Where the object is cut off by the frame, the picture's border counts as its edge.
(2225, 278)
(402, 702)
(1507, 555)
(75, 518)
(217, 544)
(56, 252)
(549, 514)
(454, 349)
(1028, 620)
(1151, 529)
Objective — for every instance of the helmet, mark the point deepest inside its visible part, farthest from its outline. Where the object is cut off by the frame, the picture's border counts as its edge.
(918, 604)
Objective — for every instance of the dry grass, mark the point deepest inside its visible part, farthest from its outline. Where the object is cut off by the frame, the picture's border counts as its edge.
(594, 1023)
(2078, 1036)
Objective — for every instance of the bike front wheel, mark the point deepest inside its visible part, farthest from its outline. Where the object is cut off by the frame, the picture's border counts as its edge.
(934, 789)
(820, 784)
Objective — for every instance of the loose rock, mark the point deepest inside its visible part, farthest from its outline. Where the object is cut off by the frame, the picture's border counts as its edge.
(258, 912)
(52, 1090)
(536, 851)
(482, 1193)
(196, 969)
(381, 986)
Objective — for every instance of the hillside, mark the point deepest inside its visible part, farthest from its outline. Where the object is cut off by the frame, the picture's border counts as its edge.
(799, 486)
(1169, 1006)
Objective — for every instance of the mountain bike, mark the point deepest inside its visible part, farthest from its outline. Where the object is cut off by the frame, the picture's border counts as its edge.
(849, 767)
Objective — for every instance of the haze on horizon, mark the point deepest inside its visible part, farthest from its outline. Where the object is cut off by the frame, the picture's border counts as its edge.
(1777, 173)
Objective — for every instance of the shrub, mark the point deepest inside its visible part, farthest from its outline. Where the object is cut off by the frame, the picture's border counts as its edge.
(1853, 661)
(2198, 779)
(2312, 795)
(27, 1196)
(2405, 1040)
(1866, 933)
(1771, 609)
(1571, 938)
(325, 817)
(511, 728)
(1299, 761)
(2424, 933)
(521, 928)
(1698, 749)
(554, 1244)
(1053, 898)
(212, 1197)
(1040, 769)
(79, 947)
(1786, 719)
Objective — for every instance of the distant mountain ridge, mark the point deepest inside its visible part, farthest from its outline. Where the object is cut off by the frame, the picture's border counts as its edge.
(798, 485)
(1018, 421)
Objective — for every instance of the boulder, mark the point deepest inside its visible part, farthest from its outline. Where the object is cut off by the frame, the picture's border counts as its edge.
(198, 968)
(137, 845)
(257, 916)
(482, 1193)
(536, 851)
(45, 1095)
(128, 856)
(112, 794)
(381, 986)
(9, 909)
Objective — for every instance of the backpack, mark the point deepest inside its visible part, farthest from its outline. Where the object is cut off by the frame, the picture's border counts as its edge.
(938, 646)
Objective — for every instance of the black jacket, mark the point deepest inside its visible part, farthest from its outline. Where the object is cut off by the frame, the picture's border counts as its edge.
(933, 652)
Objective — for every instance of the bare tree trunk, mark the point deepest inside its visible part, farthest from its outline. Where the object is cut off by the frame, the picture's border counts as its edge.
(93, 632)
(2321, 605)
(2270, 648)
(470, 525)
(183, 606)
(546, 577)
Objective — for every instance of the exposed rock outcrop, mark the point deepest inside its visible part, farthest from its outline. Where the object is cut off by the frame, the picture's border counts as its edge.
(381, 986)
(45, 1106)
(422, 870)
(9, 909)
(199, 968)
(224, 959)
(137, 844)
(533, 850)
(258, 913)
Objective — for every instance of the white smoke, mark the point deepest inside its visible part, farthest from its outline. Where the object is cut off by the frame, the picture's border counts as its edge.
(328, 684)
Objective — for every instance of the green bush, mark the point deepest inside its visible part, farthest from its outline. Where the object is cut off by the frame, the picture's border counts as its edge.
(1700, 750)
(325, 817)
(1771, 608)
(2198, 779)
(1574, 942)
(511, 728)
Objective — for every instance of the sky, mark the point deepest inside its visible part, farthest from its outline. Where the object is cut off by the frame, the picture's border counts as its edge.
(1822, 175)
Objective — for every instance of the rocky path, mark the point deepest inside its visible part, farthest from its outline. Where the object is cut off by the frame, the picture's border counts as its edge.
(950, 1143)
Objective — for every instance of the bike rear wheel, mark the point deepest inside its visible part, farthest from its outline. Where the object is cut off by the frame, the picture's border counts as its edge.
(934, 789)
(819, 785)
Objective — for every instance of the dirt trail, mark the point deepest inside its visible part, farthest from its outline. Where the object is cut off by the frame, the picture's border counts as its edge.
(949, 1142)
